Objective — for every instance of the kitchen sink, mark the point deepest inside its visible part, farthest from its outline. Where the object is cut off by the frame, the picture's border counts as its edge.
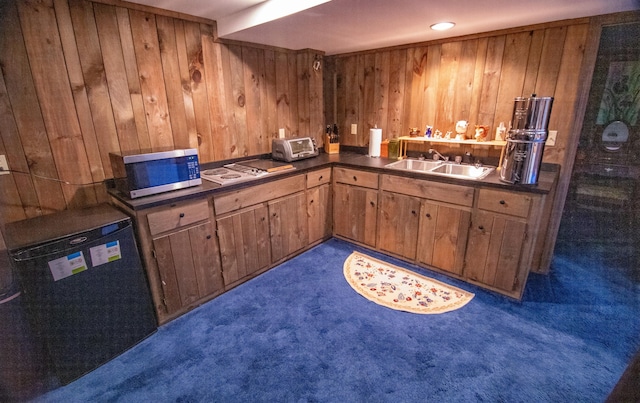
(442, 168)
(414, 165)
(463, 171)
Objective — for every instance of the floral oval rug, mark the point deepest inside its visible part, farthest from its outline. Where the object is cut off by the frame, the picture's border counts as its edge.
(401, 289)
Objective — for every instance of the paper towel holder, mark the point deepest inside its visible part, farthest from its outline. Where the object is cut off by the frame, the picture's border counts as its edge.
(375, 140)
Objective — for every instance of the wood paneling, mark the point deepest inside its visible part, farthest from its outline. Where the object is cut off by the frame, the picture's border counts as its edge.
(437, 84)
(53, 88)
(81, 79)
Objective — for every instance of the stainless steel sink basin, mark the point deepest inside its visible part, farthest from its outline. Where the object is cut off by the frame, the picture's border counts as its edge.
(463, 171)
(442, 168)
(414, 165)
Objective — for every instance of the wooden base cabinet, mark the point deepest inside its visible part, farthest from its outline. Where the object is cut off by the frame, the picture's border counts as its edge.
(288, 225)
(259, 226)
(502, 238)
(188, 265)
(319, 206)
(443, 236)
(180, 254)
(244, 242)
(355, 205)
(425, 221)
(398, 223)
(495, 247)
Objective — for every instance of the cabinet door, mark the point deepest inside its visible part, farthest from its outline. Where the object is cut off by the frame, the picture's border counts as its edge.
(244, 243)
(494, 250)
(398, 217)
(319, 212)
(355, 213)
(443, 236)
(188, 265)
(288, 225)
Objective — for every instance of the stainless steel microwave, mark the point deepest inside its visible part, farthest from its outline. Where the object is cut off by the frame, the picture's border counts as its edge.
(144, 174)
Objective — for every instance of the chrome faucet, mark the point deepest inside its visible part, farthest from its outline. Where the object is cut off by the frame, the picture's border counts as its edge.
(437, 155)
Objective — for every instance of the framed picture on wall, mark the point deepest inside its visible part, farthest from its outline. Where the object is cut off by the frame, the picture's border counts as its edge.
(621, 95)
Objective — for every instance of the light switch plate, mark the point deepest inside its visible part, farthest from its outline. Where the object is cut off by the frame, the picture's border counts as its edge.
(281, 133)
(551, 138)
(354, 128)
(4, 165)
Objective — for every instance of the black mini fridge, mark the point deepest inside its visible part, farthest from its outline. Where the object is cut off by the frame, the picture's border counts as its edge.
(85, 291)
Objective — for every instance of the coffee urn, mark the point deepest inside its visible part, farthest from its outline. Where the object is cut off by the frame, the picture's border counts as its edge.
(525, 140)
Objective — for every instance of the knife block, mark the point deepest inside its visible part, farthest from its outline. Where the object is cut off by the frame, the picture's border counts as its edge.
(331, 148)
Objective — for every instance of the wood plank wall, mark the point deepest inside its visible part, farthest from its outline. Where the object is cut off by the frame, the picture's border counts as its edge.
(474, 78)
(80, 79)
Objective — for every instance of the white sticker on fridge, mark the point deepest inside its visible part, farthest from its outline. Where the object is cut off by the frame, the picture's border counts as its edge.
(67, 266)
(105, 253)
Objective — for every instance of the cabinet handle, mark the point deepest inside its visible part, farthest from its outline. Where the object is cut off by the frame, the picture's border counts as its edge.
(355, 179)
(320, 178)
(208, 236)
(481, 228)
(428, 215)
(372, 204)
(502, 202)
(413, 212)
(181, 215)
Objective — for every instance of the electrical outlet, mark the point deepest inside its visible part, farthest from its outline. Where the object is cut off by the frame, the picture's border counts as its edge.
(551, 138)
(281, 133)
(4, 165)
(354, 128)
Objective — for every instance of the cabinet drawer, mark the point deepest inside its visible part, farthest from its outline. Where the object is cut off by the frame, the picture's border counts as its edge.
(177, 216)
(357, 178)
(319, 177)
(444, 192)
(257, 194)
(516, 204)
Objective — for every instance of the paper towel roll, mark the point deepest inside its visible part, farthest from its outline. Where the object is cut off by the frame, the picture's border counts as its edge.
(375, 138)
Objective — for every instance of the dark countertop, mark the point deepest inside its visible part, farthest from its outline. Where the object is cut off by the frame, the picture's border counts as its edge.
(547, 177)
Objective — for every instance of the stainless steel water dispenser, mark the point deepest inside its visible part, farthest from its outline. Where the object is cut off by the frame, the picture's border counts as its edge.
(526, 139)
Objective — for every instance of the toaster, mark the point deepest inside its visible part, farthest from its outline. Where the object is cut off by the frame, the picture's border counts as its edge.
(293, 149)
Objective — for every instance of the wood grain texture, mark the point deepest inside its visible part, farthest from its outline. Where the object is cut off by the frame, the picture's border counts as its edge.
(43, 43)
(236, 100)
(168, 42)
(184, 268)
(395, 97)
(119, 86)
(147, 47)
(93, 81)
(206, 259)
(254, 85)
(319, 212)
(170, 298)
(115, 70)
(398, 219)
(97, 162)
(212, 54)
(13, 196)
(244, 242)
(133, 82)
(355, 213)
(288, 225)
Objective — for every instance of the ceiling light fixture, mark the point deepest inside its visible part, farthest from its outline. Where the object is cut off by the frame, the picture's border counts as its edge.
(443, 26)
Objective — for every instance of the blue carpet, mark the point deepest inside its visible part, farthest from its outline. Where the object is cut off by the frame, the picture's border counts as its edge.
(300, 333)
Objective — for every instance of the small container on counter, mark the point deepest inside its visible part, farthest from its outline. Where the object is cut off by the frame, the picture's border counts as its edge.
(384, 148)
(394, 148)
